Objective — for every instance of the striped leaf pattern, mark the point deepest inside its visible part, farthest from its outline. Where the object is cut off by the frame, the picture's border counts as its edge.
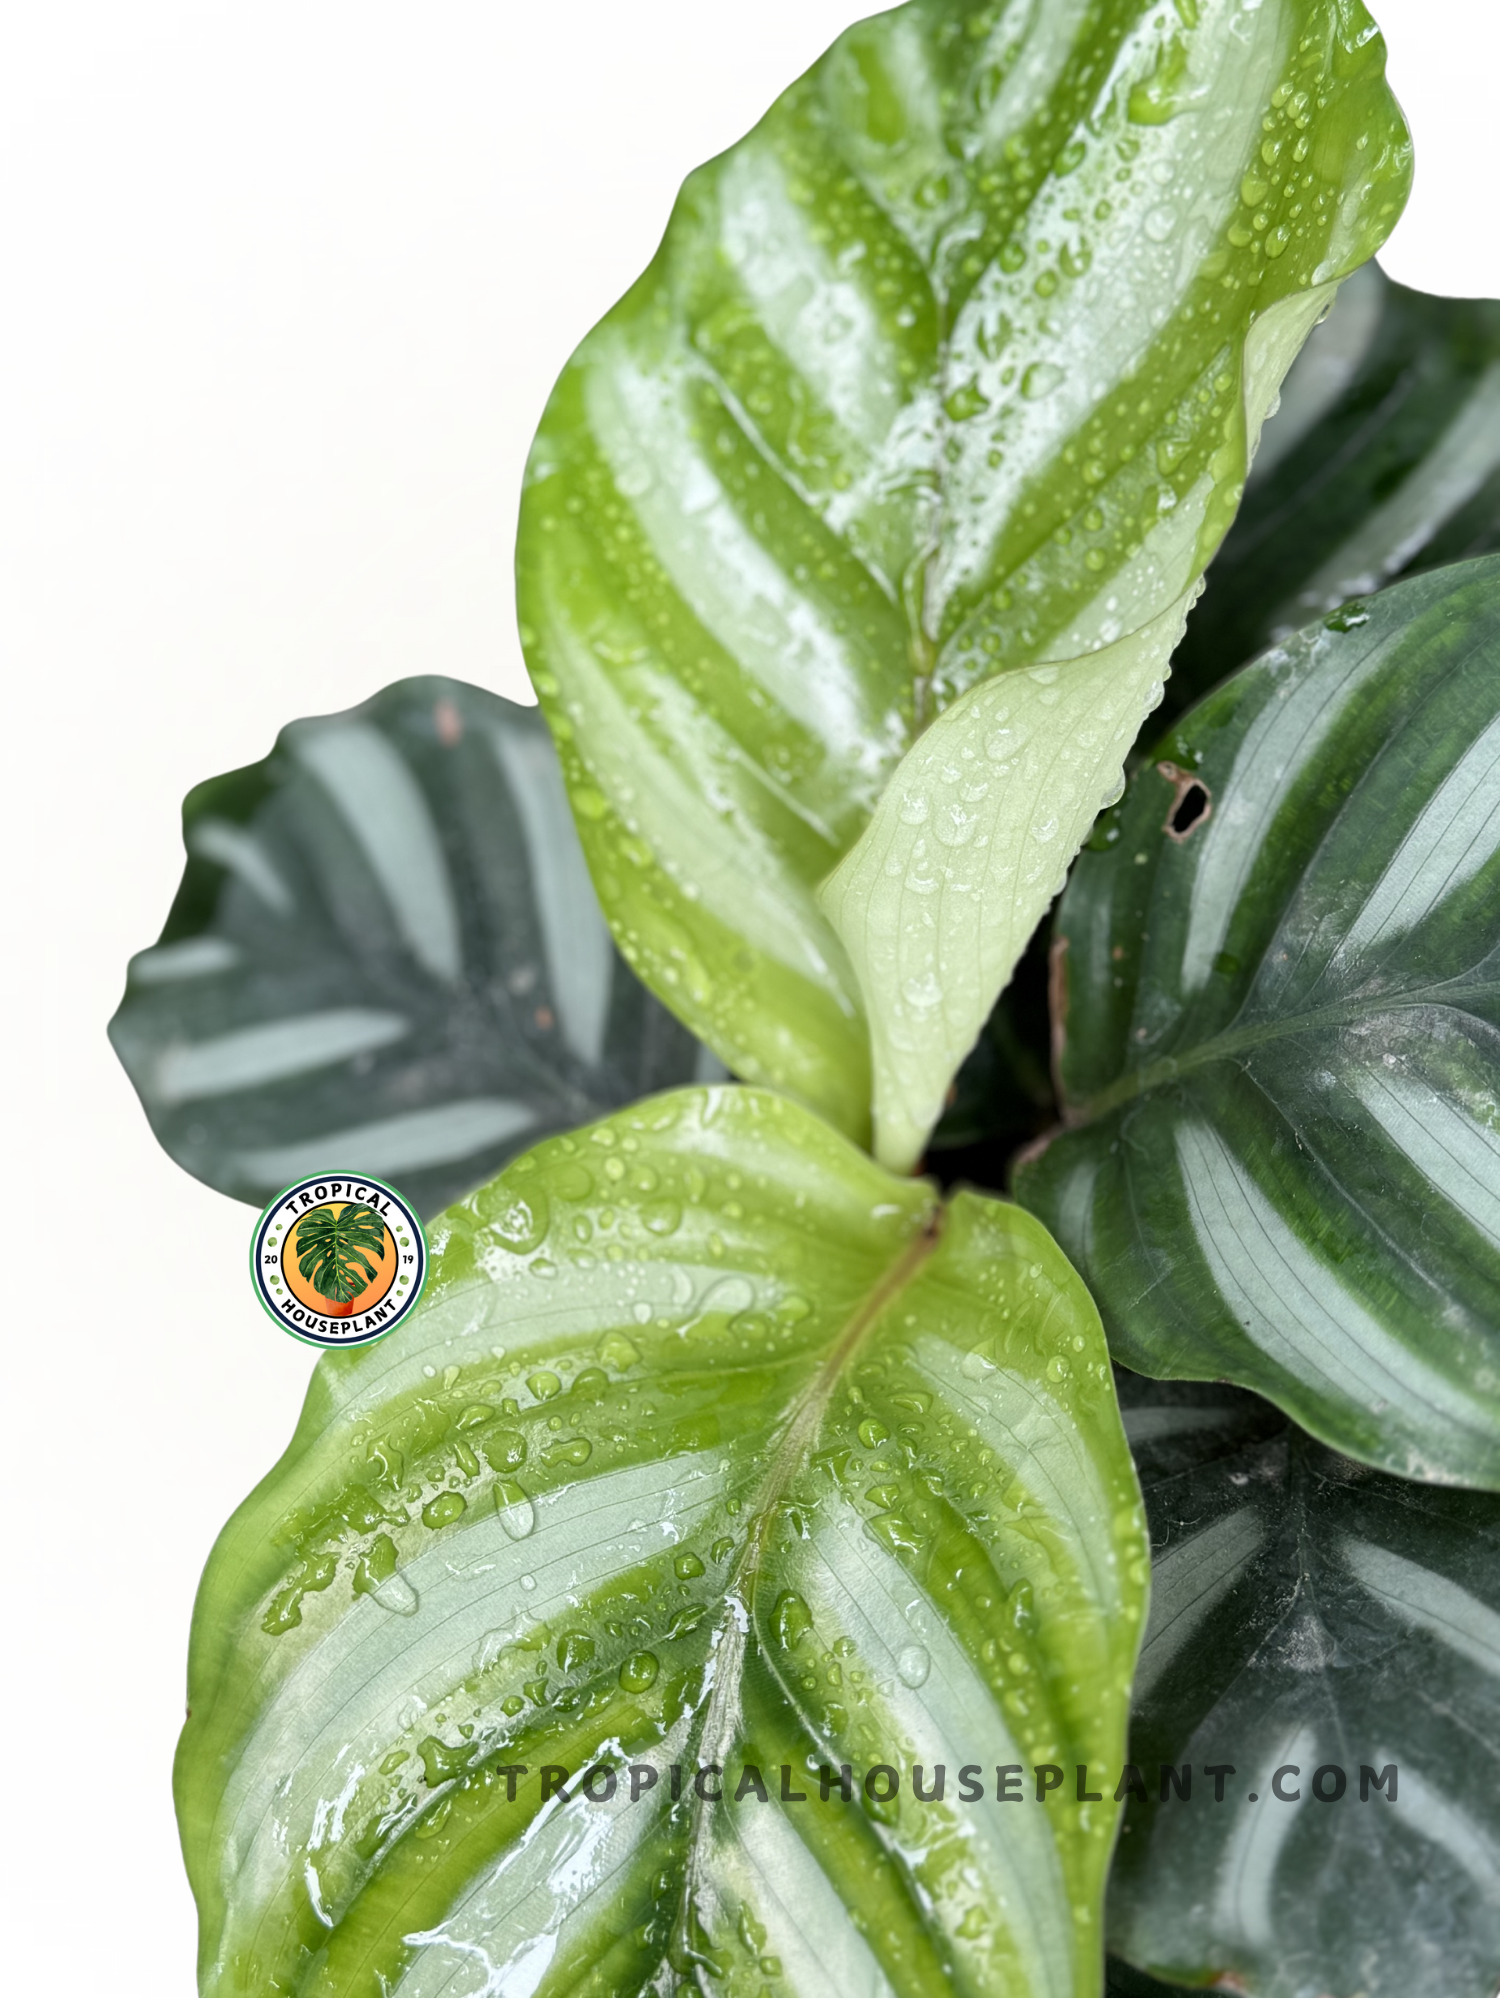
(857, 536)
(1383, 461)
(712, 1449)
(1343, 1628)
(386, 957)
(1279, 1027)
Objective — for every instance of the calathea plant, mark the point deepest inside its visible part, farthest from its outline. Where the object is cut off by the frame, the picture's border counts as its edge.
(857, 538)
(733, 1577)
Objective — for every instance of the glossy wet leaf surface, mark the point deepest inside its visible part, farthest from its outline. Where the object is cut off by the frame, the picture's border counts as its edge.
(857, 536)
(711, 1444)
(1281, 1037)
(1003, 1096)
(386, 958)
(1308, 1612)
(1383, 461)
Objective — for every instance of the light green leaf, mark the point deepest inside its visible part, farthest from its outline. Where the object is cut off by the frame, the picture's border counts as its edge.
(1307, 1613)
(1279, 1027)
(921, 428)
(386, 957)
(1383, 461)
(711, 1444)
(937, 900)
(1002, 1098)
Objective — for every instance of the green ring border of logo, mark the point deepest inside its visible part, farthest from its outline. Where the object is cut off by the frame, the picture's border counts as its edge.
(369, 1340)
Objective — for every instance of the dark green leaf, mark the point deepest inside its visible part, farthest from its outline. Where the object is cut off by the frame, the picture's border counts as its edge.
(1281, 1037)
(386, 956)
(1383, 461)
(857, 536)
(329, 1245)
(1309, 1612)
(711, 1444)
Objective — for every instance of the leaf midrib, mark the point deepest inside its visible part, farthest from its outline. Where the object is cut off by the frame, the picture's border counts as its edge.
(728, 1650)
(1233, 1042)
(908, 592)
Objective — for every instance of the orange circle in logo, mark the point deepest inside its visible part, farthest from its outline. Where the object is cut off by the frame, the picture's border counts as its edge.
(384, 1265)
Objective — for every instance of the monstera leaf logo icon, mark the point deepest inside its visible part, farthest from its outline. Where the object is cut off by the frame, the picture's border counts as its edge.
(334, 1251)
(338, 1260)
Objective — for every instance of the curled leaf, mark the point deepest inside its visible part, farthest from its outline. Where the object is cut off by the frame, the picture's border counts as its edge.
(857, 537)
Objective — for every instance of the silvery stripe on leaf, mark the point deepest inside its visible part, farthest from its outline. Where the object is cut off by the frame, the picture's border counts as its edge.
(386, 957)
(1280, 1038)
(1383, 461)
(1309, 1613)
(711, 1445)
(1390, 390)
(949, 371)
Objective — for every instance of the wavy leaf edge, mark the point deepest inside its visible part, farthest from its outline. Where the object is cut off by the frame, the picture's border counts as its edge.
(348, 1572)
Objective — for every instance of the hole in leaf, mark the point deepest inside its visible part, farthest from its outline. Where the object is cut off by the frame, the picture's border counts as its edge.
(1187, 814)
(1192, 802)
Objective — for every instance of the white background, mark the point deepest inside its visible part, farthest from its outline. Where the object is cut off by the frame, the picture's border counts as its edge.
(284, 290)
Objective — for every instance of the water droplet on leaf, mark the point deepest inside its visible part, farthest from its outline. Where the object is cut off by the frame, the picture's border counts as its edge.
(914, 1664)
(513, 1505)
(1040, 379)
(639, 1672)
(792, 1618)
(397, 1595)
(575, 1649)
(443, 1508)
(522, 1223)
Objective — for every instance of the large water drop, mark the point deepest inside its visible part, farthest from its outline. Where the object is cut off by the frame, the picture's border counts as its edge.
(914, 1664)
(397, 1595)
(513, 1504)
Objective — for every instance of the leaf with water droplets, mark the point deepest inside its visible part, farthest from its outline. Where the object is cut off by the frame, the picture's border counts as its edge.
(385, 956)
(1278, 1016)
(1333, 1636)
(946, 373)
(805, 1535)
(1383, 461)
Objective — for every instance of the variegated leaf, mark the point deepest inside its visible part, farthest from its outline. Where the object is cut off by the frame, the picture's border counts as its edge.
(1279, 1027)
(858, 535)
(1333, 1636)
(714, 1448)
(1383, 461)
(386, 957)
